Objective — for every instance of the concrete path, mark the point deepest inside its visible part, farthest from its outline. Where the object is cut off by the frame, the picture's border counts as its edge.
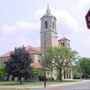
(82, 85)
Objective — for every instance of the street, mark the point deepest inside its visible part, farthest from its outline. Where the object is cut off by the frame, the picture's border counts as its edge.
(85, 85)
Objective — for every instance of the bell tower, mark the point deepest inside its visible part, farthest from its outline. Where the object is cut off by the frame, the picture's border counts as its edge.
(48, 30)
(64, 42)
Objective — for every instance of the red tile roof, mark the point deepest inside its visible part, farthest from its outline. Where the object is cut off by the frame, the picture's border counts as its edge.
(30, 49)
(39, 66)
(38, 49)
(6, 54)
(63, 38)
(36, 65)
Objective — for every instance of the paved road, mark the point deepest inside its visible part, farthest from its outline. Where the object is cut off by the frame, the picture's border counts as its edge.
(85, 85)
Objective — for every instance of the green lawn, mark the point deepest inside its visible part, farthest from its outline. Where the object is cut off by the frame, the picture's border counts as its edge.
(33, 83)
(15, 85)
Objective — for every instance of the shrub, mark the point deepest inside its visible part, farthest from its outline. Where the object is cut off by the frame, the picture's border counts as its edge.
(76, 76)
(51, 79)
(41, 78)
(88, 76)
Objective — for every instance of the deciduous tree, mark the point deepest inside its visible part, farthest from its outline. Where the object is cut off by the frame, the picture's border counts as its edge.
(84, 67)
(18, 64)
(60, 58)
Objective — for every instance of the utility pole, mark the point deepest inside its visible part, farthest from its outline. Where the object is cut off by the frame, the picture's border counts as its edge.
(45, 77)
(44, 59)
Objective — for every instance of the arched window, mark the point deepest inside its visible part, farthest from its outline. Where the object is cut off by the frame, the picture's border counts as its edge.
(63, 44)
(53, 25)
(46, 24)
(68, 44)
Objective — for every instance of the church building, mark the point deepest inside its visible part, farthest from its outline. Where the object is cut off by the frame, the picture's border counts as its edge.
(48, 38)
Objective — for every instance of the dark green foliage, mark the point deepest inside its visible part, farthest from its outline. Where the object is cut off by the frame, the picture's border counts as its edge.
(42, 78)
(84, 67)
(2, 73)
(76, 75)
(35, 71)
(51, 79)
(19, 64)
(35, 74)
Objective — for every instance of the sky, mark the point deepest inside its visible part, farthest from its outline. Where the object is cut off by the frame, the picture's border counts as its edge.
(20, 23)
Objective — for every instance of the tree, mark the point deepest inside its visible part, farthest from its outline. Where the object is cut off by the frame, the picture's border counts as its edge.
(60, 57)
(2, 72)
(18, 64)
(76, 72)
(84, 66)
(35, 73)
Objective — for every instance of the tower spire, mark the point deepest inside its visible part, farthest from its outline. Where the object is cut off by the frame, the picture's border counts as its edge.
(48, 6)
(48, 12)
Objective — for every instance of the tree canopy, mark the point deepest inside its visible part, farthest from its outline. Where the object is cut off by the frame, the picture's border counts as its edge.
(60, 57)
(18, 64)
(84, 66)
(2, 72)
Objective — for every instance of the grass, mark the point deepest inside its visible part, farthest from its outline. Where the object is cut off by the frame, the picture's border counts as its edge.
(33, 83)
(15, 85)
(9, 83)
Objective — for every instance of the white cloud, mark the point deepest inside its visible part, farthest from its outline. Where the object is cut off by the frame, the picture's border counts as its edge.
(23, 32)
(83, 2)
(86, 42)
(81, 43)
(7, 28)
(63, 15)
(18, 34)
(20, 26)
(80, 34)
(66, 17)
(23, 24)
(40, 12)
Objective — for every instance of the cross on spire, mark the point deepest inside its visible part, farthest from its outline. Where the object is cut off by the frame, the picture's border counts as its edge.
(48, 12)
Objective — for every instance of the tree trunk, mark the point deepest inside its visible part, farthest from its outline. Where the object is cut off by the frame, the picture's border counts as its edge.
(44, 78)
(60, 74)
(21, 80)
(12, 78)
(8, 75)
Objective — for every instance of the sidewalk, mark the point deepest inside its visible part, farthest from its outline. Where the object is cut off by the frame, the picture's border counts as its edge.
(61, 84)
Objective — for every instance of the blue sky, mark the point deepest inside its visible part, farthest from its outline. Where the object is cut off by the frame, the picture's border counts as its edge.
(20, 23)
